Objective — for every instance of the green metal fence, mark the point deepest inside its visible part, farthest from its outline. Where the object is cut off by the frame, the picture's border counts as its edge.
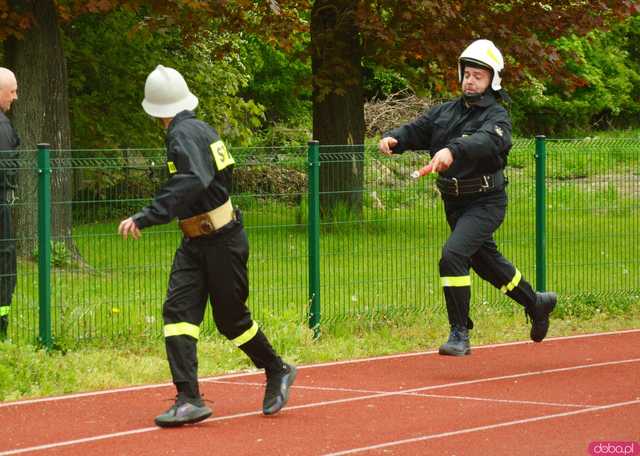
(336, 233)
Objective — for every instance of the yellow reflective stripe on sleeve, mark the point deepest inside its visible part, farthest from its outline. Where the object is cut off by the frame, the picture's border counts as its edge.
(221, 155)
(182, 329)
(462, 281)
(4, 310)
(172, 167)
(514, 282)
(246, 336)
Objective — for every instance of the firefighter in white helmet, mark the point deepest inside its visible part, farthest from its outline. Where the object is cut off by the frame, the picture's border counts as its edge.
(211, 261)
(469, 140)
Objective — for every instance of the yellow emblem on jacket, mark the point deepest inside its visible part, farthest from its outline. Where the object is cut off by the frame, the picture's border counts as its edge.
(221, 155)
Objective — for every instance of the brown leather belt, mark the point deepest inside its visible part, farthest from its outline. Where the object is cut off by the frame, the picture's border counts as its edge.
(208, 222)
(460, 187)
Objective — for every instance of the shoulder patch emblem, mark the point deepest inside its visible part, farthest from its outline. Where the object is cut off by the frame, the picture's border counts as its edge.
(499, 131)
(221, 155)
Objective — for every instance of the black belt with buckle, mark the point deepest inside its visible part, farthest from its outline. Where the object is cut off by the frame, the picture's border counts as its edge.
(460, 187)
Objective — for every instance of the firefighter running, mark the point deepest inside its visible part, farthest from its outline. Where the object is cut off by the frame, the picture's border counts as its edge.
(211, 261)
(469, 139)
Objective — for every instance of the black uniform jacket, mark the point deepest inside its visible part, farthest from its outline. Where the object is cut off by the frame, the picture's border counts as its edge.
(200, 169)
(479, 136)
(9, 141)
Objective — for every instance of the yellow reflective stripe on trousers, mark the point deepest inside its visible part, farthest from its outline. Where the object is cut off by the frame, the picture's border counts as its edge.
(247, 335)
(182, 329)
(514, 282)
(462, 281)
(4, 310)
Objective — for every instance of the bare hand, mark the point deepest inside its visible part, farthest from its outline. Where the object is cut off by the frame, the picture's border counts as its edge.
(441, 160)
(127, 227)
(386, 144)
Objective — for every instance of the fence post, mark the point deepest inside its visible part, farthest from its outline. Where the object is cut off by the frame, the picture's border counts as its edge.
(541, 214)
(314, 237)
(44, 244)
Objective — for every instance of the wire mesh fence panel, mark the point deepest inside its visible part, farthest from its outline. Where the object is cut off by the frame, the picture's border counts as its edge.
(107, 287)
(270, 189)
(104, 286)
(19, 223)
(383, 259)
(593, 212)
(380, 238)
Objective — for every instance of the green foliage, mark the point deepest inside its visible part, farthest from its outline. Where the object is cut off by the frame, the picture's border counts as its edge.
(608, 65)
(110, 57)
(269, 182)
(60, 255)
(295, 132)
(380, 82)
(278, 81)
(282, 84)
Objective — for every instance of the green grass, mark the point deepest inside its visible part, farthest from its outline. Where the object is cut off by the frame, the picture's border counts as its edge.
(383, 262)
(380, 286)
(26, 372)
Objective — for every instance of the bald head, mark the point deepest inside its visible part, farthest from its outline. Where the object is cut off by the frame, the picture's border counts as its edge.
(8, 89)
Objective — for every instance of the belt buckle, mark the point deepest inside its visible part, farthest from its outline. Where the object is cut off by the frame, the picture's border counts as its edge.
(455, 186)
(206, 227)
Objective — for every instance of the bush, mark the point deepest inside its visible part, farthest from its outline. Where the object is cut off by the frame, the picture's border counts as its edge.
(609, 66)
(109, 58)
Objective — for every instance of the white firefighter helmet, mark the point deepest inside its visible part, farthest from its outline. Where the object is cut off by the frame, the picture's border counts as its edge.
(485, 54)
(166, 93)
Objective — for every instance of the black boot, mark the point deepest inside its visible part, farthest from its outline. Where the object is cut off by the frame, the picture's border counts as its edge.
(4, 326)
(458, 343)
(539, 314)
(184, 411)
(276, 393)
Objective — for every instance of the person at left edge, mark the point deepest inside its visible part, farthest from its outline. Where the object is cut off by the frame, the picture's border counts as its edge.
(211, 261)
(9, 141)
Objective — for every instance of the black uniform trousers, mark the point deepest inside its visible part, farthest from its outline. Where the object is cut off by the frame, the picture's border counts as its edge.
(473, 219)
(8, 261)
(213, 267)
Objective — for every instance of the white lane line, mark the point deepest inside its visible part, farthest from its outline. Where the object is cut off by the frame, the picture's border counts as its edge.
(78, 441)
(319, 404)
(309, 366)
(481, 428)
(476, 381)
(504, 401)
(415, 394)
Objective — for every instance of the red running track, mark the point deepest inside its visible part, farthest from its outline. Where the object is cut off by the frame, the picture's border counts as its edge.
(522, 398)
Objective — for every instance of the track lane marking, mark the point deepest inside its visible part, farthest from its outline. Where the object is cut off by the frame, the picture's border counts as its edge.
(324, 403)
(309, 366)
(482, 428)
(416, 394)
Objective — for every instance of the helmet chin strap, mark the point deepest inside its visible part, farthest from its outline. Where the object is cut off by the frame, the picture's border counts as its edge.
(473, 98)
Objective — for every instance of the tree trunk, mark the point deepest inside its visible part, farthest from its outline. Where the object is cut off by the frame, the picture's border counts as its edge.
(41, 115)
(338, 103)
